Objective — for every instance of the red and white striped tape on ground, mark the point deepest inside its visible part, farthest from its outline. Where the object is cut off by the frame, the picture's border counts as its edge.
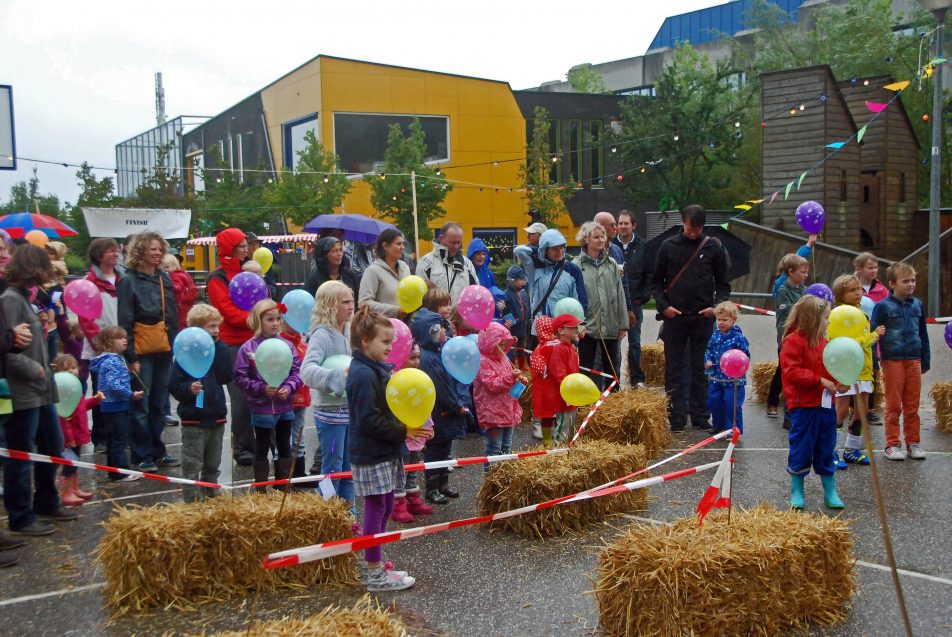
(714, 497)
(598, 403)
(315, 552)
(758, 310)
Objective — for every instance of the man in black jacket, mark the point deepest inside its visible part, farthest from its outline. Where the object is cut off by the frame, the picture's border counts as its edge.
(689, 279)
(633, 249)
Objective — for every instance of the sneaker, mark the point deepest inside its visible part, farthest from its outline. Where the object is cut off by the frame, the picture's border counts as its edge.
(895, 453)
(59, 515)
(640, 385)
(128, 478)
(874, 418)
(537, 431)
(379, 580)
(855, 456)
(838, 463)
(772, 412)
(169, 461)
(916, 452)
(34, 530)
(147, 466)
(99, 449)
(388, 567)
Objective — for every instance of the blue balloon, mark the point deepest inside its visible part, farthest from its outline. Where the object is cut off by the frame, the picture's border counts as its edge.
(866, 304)
(473, 337)
(194, 351)
(300, 304)
(461, 359)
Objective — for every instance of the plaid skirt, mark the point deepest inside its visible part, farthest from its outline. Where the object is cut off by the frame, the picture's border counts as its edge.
(378, 479)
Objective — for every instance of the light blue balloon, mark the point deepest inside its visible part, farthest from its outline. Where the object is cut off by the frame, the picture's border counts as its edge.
(866, 304)
(473, 337)
(843, 358)
(337, 361)
(194, 351)
(461, 359)
(300, 304)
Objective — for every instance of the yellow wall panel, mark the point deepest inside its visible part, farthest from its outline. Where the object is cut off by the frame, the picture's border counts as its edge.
(293, 96)
(474, 99)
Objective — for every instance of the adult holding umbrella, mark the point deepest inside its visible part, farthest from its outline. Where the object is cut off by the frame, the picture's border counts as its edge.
(378, 286)
(330, 264)
(148, 313)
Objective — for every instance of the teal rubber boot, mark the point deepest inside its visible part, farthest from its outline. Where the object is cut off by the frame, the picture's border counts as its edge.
(796, 492)
(830, 497)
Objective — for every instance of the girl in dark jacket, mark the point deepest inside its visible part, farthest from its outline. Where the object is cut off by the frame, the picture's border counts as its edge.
(331, 264)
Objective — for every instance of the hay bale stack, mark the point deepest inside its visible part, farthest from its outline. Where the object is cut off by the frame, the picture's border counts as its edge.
(762, 574)
(652, 364)
(182, 554)
(510, 485)
(941, 395)
(761, 376)
(365, 619)
(633, 416)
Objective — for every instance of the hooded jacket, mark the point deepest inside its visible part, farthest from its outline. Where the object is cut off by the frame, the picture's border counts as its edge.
(494, 406)
(876, 292)
(606, 313)
(485, 275)
(185, 293)
(28, 370)
(250, 381)
(110, 309)
(320, 274)
(378, 287)
(215, 404)
(720, 343)
(637, 270)
(328, 384)
(517, 302)
(374, 434)
(541, 271)
(551, 361)
(234, 327)
(453, 274)
(140, 301)
(451, 396)
(76, 427)
(115, 382)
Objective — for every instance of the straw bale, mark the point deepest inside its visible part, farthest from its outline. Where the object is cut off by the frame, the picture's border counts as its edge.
(761, 376)
(765, 572)
(633, 416)
(652, 364)
(366, 618)
(178, 555)
(510, 485)
(941, 395)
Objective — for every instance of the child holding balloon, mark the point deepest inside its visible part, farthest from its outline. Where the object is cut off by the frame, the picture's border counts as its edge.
(560, 360)
(75, 434)
(498, 410)
(725, 393)
(302, 400)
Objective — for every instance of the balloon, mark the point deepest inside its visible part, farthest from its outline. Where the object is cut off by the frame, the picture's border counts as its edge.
(273, 359)
(734, 363)
(474, 338)
(811, 217)
(264, 258)
(568, 305)
(948, 334)
(578, 390)
(82, 297)
(476, 306)
(401, 345)
(866, 304)
(410, 291)
(847, 320)
(843, 358)
(70, 393)
(820, 291)
(411, 396)
(246, 289)
(37, 238)
(194, 351)
(337, 361)
(461, 359)
(299, 304)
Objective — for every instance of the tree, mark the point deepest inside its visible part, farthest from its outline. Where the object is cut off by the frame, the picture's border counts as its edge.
(25, 197)
(162, 186)
(683, 145)
(313, 188)
(545, 198)
(391, 192)
(96, 193)
(584, 79)
(228, 201)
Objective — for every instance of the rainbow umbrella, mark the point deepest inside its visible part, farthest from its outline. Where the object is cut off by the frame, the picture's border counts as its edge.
(17, 224)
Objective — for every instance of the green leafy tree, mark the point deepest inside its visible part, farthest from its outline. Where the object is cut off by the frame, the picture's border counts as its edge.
(95, 193)
(545, 198)
(313, 188)
(25, 196)
(391, 192)
(584, 79)
(228, 201)
(162, 186)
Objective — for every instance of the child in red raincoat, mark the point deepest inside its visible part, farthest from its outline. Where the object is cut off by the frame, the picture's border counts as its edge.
(553, 360)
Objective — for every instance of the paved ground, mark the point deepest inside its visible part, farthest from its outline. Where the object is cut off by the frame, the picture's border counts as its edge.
(472, 582)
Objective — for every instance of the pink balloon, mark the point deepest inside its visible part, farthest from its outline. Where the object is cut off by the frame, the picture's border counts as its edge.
(82, 297)
(402, 344)
(734, 363)
(476, 306)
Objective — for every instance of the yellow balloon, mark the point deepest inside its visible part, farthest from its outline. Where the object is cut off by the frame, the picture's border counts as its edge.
(264, 257)
(37, 238)
(578, 390)
(847, 320)
(411, 396)
(410, 293)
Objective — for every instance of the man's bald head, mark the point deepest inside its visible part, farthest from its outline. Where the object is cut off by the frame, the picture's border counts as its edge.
(607, 221)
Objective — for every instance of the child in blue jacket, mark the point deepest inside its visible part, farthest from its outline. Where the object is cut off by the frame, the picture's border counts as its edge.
(517, 305)
(721, 390)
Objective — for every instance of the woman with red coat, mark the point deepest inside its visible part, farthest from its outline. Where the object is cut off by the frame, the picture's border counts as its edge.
(232, 251)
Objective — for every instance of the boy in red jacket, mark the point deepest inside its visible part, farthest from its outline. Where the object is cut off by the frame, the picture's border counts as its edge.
(561, 359)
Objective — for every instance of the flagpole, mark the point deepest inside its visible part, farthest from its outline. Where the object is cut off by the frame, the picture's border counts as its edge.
(416, 231)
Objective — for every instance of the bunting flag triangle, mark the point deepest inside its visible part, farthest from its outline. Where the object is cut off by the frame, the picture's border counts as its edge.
(802, 177)
(743, 207)
(897, 86)
(755, 201)
(836, 145)
(860, 133)
(876, 107)
(786, 191)
(718, 495)
(938, 60)
(773, 196)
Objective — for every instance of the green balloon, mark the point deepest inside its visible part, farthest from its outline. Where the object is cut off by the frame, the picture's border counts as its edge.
(843, 358)
(273, 360)
(568, 305)
(337, 361)
(70, 393)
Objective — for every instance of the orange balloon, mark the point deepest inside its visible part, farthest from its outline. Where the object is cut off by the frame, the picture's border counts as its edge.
(37, 238)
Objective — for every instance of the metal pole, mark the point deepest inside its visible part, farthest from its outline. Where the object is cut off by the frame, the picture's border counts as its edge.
(936, 172)
(416, 230)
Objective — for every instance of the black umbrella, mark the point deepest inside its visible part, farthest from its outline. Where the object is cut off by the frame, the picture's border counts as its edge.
(738, 250)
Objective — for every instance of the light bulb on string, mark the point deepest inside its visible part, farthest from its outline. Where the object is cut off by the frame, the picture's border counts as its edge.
(803, 106)
(793, 111)
(737, 124)
(677, 137)
(614, 149)
(326, 179)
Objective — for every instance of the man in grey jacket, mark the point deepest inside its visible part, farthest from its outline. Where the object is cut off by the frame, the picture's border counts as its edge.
(447, 267)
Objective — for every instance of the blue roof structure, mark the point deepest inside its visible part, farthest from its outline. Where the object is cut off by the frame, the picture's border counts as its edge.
(714, 23)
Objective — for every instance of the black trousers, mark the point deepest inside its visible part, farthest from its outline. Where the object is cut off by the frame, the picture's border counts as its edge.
(686, 337)
(589, 347)
(773, 396)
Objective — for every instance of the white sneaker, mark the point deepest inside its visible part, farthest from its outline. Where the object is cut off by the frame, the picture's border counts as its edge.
(537, 431)
(365, 572)
(895, 453)
(132, 477)
(916, 452)
(379, 580)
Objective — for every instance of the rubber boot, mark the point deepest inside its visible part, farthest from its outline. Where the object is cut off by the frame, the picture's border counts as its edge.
(433, 495)
(262, 469)
(67, 497)
(85, 495)
(796, 492)
(282, 471)
(400, 513)
(830, 497)
(415, 504)
(547, 441)
(445, 487)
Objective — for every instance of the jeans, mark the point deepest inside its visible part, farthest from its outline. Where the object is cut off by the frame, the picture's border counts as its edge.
(115, 432)
(686, 336)
(33, 430)
(720, 399)
(335, 456)
(242, 433)
(201, 458)
(812, 441)
(297, 434)
(498, 441)
(635, 373)
(147, 416)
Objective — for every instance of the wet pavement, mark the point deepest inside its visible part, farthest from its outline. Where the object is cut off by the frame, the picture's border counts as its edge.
(472, 581)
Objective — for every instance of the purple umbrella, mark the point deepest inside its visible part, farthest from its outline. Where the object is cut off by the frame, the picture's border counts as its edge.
(357, 228)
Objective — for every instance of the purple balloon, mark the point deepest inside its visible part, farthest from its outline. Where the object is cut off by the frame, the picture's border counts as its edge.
(821, 291)
(246, 289)
(948, 334)
(811, 217)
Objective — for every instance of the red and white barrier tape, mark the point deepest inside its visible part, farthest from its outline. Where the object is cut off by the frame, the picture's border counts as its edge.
(714, 497)
(293, 557)
(940, 319)
(758, 310)
(588, 416)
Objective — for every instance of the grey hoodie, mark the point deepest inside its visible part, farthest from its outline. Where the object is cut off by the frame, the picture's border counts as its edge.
(28, 370)
(328, 384)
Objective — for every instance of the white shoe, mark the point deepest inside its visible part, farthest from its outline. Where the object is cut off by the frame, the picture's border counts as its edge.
(915, 452)
(537, 431)
(895, 453)
(379, 580)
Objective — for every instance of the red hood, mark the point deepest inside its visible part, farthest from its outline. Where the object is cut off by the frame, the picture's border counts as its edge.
(225, 241)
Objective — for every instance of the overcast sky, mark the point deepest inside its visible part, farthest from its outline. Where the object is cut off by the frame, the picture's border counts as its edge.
(82, 72)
